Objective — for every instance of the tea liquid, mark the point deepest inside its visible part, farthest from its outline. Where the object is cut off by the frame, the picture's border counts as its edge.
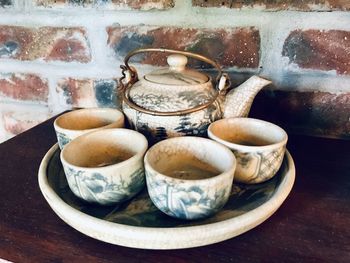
(190, 171)
(252, 142)
(110, 157)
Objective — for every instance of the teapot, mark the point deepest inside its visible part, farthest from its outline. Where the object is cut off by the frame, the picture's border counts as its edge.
(178, 101)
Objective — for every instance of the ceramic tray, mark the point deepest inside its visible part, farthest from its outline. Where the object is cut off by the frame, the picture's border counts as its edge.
(138, 223)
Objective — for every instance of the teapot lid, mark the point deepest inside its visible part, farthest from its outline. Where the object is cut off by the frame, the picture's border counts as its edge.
(176, 73)
(169, 91)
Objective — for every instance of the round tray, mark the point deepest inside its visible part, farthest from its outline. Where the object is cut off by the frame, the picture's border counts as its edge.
(138, 223)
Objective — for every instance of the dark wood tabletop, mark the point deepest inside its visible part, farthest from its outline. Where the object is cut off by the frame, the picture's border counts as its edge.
(312, 225)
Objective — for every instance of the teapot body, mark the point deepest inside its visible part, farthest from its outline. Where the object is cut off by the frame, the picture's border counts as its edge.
(157, 128)
(171, 101)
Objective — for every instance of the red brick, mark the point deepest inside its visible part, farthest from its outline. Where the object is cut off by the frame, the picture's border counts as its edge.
(47, 43)
(311, 113)
(16, 122)
(88, 92)
(113, 4)
(25, 87)
(77, 93)
(300, 5)
(321, 50)
(234, 47)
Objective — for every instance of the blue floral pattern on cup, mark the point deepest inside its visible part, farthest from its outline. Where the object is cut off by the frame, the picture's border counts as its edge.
(183, 201)
(100, 189)
(259, 166)
(62, 139)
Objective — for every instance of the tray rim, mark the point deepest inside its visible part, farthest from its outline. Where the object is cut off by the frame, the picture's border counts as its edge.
(167, 237)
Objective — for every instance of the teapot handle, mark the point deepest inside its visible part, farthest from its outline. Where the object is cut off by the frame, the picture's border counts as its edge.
(130, 75)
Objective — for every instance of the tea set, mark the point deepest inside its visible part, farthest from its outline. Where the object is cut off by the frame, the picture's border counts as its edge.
(171, 109)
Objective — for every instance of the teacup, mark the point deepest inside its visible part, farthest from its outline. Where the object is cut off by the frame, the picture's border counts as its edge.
(189, 177)
(105, 166)
(259, 146)
(72, 124)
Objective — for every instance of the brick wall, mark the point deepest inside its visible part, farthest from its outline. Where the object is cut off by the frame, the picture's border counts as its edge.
(59, 54)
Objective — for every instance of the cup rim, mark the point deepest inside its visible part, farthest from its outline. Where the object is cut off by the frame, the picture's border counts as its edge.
(139, 154)
(78, 131)
(248, 148)
(232, 168)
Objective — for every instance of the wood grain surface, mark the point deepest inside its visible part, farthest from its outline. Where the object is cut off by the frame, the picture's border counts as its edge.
(311, 226)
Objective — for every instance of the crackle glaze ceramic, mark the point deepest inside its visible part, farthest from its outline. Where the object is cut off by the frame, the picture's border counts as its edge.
(72, 124)
(178, 101)
(259, 146)
(139, 223)
(106, 166)
(189, 177)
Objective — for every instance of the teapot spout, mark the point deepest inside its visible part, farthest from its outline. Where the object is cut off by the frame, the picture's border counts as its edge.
(239, 100)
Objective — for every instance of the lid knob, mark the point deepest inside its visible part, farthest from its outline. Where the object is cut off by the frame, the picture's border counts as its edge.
(177, 62)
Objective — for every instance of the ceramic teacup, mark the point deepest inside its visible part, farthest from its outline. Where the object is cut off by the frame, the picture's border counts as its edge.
(105, 166)
(72, 124)
(259, 146)
(189, 177)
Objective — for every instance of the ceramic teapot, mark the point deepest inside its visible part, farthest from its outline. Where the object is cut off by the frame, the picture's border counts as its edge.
(177, 101)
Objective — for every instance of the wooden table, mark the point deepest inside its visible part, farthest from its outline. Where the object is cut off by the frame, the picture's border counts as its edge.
(313, 225)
